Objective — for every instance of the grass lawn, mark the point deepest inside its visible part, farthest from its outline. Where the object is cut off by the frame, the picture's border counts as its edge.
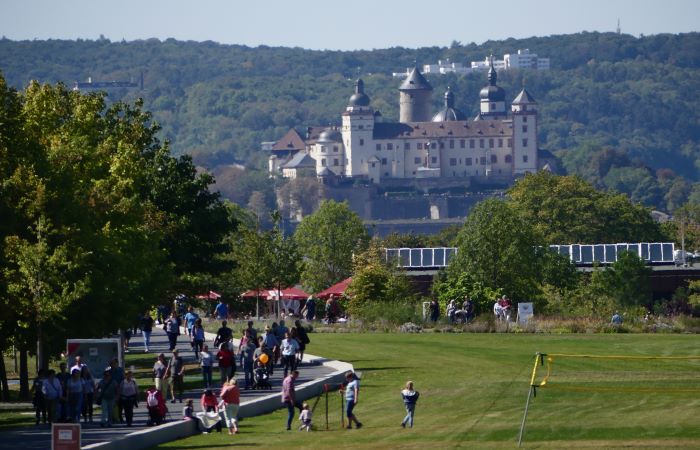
(473, 389)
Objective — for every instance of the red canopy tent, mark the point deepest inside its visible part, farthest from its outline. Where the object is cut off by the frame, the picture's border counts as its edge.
(211, 296)
(290, 293)
(279, 296)
(337, 289)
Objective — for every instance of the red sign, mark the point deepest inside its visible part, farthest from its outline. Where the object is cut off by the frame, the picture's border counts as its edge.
(65, 436)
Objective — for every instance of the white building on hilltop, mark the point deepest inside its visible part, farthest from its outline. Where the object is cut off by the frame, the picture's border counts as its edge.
(521, 60)
(500, 143)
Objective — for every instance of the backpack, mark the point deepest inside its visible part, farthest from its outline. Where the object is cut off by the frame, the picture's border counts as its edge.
(152, 399)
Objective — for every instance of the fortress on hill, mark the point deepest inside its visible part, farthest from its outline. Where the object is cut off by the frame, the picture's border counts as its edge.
(493, 148)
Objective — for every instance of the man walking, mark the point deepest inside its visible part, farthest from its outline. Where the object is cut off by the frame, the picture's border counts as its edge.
(289, 396)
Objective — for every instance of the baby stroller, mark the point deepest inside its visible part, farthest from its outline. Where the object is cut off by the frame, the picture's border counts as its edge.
(156, 407)
(262, 378)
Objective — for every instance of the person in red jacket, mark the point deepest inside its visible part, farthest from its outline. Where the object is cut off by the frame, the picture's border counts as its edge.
(227, 363)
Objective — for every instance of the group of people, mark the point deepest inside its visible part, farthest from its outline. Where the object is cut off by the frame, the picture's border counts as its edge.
(70, 395)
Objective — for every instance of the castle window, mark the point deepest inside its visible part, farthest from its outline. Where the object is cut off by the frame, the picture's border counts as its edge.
(524, 128)
(500, 143)
(383, 161)
(362, 142)
(510, 143)
(471, 143)
(335, 149)
(493, 106)
(379, 146)
(374, 165)
(433, 159)
(482, 160)
(490, 143)
(524, 158)
(524, 142)
(453, 161)
(494, 159)
(462, 143)
(419, 146)
(524, 119)
(416, 160)
(452, 143)
(360, 127)
(406, 145)
(323, 162)
(509, 159)
(389, 146)
(481, 143)
(433, 145)
(468, 161)
(335, 161)
(442, 145)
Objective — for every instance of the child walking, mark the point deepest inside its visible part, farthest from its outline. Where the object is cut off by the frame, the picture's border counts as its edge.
(305, 417)
(410, 397)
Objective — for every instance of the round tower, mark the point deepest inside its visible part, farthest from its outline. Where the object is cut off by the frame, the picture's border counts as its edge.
(414, 98)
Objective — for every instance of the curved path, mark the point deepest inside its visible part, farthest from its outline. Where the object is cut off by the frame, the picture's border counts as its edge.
(314, 372)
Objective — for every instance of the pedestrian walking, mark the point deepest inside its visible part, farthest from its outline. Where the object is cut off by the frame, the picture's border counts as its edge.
(227, 363)
(89, 388)
(410, 397)
(146, 330)
(206, 362)
(352, 395)
(289, 396)
(127, 397)
(106, 393)
(231, 398)
(38, 398)
(172, 328)
(176, 368)
(75, 395)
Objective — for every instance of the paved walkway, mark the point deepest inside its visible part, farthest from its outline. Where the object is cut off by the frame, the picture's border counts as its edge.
(39, 437)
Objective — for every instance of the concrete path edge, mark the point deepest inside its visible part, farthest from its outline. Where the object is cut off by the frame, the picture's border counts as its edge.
(151, 437)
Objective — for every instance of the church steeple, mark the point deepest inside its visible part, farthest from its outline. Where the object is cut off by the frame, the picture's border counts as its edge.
(493, 97)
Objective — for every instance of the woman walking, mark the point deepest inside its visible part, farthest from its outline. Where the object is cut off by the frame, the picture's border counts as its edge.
(231, 397)
(128, 396)
(107, 393)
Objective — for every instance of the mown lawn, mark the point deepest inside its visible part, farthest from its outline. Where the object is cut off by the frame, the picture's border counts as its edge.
(473, 390)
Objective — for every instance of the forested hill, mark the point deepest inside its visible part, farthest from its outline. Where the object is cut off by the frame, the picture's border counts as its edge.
(622, 111)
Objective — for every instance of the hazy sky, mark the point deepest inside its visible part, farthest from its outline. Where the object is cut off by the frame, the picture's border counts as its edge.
(347, 25)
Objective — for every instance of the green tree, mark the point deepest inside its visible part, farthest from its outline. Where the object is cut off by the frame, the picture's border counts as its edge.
(376, 282)
(498, 248)
(566, 209)
(327, 241)
(627, 281)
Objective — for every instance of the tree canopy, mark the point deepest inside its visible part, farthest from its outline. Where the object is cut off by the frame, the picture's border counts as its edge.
(327, 241)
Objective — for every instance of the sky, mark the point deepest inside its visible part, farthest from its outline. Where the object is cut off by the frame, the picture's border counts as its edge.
(336, 25)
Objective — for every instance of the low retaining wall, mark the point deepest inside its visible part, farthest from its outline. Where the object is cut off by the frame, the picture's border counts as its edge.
(150, 437)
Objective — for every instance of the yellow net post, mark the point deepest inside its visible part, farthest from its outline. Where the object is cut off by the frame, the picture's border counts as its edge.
(539, 359)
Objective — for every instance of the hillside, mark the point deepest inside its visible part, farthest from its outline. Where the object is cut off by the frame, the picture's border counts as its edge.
(619, 110)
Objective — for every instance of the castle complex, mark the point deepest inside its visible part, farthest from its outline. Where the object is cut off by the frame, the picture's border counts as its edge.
(496, 146)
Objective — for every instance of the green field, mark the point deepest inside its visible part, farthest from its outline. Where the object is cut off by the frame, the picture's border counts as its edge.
(473, 390)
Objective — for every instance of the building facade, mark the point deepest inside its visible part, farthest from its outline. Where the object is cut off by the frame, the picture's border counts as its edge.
(497, 145)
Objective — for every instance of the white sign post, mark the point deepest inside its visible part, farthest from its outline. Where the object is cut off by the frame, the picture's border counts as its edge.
(525, 311)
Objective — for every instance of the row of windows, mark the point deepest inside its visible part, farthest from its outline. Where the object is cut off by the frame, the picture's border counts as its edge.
(492, 143)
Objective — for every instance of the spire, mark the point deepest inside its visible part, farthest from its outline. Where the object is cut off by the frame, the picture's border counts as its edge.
(449, 98)
(493, 76)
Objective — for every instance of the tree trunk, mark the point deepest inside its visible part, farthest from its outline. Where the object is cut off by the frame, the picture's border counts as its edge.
(3, 381)
(23, 374)
(42, 357)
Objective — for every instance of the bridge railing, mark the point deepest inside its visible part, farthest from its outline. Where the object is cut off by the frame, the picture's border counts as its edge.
(579, 254)
(432, 257)
(589, 254)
